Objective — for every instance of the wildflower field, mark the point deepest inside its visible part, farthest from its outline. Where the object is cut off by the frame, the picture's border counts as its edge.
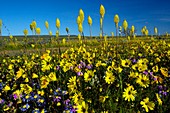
(104, 74)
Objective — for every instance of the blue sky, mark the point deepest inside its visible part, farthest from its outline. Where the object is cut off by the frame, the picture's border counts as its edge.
(18, 14)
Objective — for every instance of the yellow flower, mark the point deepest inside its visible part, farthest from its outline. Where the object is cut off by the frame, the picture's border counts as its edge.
(116, 20)
(19, 73)
(82, 108)
(89, 20)
(6, 88)
(58, 23)
(34, 75)
(52, 76)
(164, 72)
(103, 98)
(102, 11)
(158, 99)
(10, 66)
(77, 98)
(109, 78)
(129, 93)
(147, 105)
(72, 84)
(25, 88)
(143, 80)
(125, 63)
(67, 67)
(38, 31)
(26, 80)
(155, 68)
(88, 75)
(44, 82)
(46, 25)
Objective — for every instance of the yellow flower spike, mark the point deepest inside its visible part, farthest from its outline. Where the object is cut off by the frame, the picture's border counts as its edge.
(78, 20)
(38, 31)
(116, 20)
(81, 14)
(34, 24)
(155, 31)
(125, 25)
(80, 28)
(25, 31)
(11, 37)
(46, 25)
(50, 33)
(133, 29)
(89, 20)
(102, 11)
(58, 23)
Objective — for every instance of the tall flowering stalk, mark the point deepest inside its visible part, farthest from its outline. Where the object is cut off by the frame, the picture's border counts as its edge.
(80, 20)
(0, 27)
(102, 13)
(116, 21)
(155, 31)
(133, 30)
(68, 33)
(125, 26)
(90, 23)
(25, 31)
(58, 32)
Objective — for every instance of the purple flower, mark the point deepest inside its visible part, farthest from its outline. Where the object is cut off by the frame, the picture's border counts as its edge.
(160, 87)
(66, 101)
(15, 96)
(145, 72)
(155, 79)
(1, 101)
(151, 73)
(58, 67)
(57, 99)
(89, 66)
(72, 110)
(79, 73)
(83, 64)
(134, 61)
(164, 93)
(79, 66)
